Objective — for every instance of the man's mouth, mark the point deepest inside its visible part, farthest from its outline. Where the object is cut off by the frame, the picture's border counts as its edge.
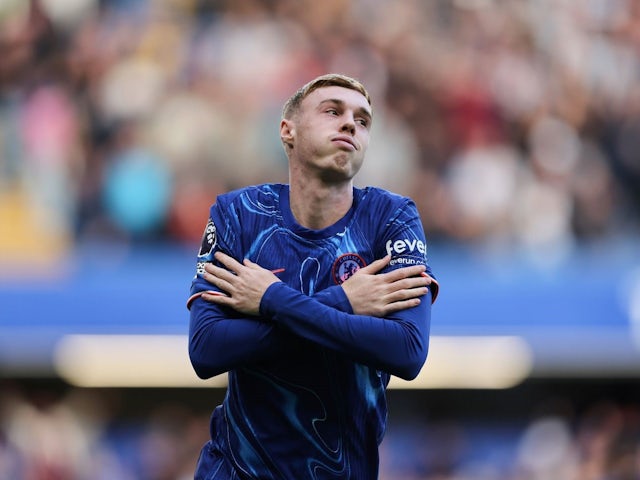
(346, 141)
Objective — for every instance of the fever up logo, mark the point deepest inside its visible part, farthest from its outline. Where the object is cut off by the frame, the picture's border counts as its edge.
(345, 266)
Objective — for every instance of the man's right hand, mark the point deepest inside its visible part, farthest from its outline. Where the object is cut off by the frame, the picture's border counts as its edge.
(243, 283)
(379, 295)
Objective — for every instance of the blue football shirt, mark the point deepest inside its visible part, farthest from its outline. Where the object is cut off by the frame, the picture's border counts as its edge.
(307, 379)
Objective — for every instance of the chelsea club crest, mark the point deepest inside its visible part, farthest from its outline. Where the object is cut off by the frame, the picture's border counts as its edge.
(345, 266)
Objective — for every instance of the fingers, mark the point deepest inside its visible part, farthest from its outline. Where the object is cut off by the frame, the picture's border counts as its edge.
(377, 265)
(249, 264)
(220, 277)
(213, 272)
(427, 276)
(406, 294)
(417, 271)
(228, 261)
(214, 293)
(223, 277)
(402, 305)
(398, 274)
(213, 296)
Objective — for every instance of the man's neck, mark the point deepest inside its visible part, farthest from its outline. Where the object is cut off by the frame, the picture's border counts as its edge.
(318, 206)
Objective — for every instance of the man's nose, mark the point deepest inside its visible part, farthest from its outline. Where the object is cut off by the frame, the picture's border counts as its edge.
(349, 125)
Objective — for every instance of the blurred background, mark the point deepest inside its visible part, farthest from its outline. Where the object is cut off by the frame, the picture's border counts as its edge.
(513, 124)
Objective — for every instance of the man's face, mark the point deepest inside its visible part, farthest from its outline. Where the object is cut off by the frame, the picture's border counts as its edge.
(331, 132)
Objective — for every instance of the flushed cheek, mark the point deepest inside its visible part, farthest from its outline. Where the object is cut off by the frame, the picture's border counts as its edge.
(363, 141)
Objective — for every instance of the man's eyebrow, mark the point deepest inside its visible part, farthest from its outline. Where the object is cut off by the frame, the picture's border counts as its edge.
(362, 110)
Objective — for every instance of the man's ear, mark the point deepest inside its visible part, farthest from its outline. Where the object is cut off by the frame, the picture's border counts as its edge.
(287, 132)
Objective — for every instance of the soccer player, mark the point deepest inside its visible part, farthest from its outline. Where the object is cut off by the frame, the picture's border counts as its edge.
(310, 295)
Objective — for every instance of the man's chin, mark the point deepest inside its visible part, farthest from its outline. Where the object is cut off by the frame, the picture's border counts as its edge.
(338, 175)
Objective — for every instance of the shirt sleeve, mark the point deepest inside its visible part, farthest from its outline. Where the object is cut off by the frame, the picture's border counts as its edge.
(403, 238)
(334, 297)
(397, 344)
(221, 339)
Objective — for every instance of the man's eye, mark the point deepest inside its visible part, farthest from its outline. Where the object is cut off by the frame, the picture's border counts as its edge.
(332, 111)
(363, 122)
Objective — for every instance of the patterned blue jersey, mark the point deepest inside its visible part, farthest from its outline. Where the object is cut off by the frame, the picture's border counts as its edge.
(307, 379)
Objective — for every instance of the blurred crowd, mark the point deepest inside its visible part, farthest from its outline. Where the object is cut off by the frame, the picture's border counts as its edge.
(91, 434)
(46, 434)
(512, 123)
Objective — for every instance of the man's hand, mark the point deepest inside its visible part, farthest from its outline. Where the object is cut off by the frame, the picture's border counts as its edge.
(244, 283)
(378, 295)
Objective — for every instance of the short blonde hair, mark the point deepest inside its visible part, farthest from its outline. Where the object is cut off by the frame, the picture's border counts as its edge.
(292, 105)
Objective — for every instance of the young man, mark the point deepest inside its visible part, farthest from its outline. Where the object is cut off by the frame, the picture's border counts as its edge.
(310, 295)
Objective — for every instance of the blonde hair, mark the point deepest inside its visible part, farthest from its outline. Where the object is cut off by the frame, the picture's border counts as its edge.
(292, 105)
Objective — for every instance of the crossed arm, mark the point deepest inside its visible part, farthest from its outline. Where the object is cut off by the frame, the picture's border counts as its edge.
(368, 293)
(387, 326)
